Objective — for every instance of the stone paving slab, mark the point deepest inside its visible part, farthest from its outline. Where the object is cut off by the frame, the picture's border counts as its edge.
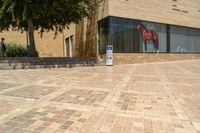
(141, 98)
(7, 105)
(7, 85)
(32, 92)
(83, 97)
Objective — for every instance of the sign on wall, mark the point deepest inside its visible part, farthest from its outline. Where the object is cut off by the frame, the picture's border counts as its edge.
(109, 55)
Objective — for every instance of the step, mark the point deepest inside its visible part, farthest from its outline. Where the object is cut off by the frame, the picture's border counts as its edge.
(10, 60)
(34, 63)
(42, 66)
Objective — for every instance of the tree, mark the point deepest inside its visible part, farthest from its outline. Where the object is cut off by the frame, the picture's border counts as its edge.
(42, 15)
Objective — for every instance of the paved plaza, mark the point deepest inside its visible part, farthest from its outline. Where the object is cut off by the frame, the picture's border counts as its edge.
(141, 98)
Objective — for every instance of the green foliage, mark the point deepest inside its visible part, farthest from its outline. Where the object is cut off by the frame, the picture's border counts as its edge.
(15, 50)
(42, 15)
(45, 15)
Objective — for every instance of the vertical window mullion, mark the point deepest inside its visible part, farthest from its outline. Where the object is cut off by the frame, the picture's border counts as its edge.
(168, 39)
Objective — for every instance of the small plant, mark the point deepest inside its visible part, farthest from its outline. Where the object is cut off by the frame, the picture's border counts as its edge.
(15, 50)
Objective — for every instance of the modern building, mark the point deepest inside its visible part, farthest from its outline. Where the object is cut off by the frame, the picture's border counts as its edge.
(118, 22)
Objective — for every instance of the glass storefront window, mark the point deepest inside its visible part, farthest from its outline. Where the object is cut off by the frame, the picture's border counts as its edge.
(125, 36)
(184, 40)
(160, 29)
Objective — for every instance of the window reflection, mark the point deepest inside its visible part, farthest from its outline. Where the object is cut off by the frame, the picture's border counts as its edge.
(125, 36)
(184, 40)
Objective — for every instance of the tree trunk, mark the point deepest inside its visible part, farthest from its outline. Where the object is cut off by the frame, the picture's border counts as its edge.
(32, 52)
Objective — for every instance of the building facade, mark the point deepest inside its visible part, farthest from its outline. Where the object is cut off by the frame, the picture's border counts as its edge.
(172, 24)
(176, 23)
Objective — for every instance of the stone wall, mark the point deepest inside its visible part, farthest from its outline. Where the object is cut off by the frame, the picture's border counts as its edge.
(175, 12)
(14, 36)
(47, 46)
(86, 32)
(86, 37)
(133, 58)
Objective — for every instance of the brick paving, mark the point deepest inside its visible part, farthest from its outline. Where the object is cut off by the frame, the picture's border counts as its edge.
(140, 98)
(32, 92)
